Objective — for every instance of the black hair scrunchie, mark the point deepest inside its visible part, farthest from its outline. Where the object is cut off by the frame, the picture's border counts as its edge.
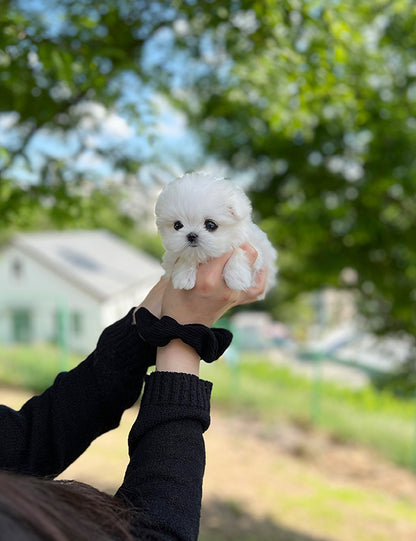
(210, 344)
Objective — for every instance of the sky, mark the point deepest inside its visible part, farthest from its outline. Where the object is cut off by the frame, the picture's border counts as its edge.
(161, 140)
(163, 131)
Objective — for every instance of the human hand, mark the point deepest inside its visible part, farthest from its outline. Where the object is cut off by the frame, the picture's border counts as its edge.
(210, 298)
(153, 300)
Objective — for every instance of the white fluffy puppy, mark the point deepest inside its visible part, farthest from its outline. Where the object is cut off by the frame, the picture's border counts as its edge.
(200, 217)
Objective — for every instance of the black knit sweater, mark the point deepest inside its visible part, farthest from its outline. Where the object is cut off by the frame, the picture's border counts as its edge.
(167, 455)
(53, 429)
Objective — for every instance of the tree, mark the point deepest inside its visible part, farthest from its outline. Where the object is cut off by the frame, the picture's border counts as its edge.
(321, 105)
(75, 74)
(317, 100)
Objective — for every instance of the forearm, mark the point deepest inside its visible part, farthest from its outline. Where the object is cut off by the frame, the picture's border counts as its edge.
(167, 456)
(167, 453)
(177, 357)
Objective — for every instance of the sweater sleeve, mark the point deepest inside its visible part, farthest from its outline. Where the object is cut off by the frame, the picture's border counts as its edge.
(51, 430)
(163, 480)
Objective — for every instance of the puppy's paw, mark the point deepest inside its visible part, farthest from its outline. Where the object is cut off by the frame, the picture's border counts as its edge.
(237, 274)
(184, 279)
(238, 281)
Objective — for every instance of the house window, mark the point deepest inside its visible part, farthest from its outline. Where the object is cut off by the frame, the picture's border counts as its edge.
(17, 269)
(22, 325)
(76, 323)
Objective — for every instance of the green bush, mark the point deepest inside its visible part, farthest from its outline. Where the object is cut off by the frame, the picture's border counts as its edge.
(33, 368)
(270, 392)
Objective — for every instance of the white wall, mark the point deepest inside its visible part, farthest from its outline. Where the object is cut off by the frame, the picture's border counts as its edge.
(43, 292)
(118, 306)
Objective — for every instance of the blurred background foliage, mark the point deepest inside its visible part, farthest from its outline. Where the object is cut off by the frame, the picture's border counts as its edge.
(314, 101)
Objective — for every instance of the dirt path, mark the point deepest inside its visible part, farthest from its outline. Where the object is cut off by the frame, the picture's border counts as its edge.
(281, 483)
(292, 484)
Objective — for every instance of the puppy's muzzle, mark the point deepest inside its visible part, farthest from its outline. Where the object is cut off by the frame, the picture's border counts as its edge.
(192, 239)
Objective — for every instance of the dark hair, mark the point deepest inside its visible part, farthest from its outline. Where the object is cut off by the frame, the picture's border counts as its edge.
(40, 509)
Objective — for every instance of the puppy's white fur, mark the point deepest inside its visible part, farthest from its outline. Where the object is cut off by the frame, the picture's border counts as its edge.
(200, 217)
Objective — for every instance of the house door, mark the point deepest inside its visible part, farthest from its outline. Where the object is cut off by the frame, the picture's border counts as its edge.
(22, 325)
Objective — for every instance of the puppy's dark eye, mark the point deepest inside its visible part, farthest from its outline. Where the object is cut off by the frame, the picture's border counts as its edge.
(178, 225)
(210, 225)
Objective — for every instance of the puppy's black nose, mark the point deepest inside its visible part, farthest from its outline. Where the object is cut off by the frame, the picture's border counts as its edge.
(192, 237)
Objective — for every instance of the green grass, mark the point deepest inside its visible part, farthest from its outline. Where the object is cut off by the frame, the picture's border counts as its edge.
(256, 387)
(378, 420)
(33, 368)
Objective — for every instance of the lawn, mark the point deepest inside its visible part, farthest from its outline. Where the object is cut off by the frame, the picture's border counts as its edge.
(269, 392)
(33, 368)
(255, 490)
(378, 420)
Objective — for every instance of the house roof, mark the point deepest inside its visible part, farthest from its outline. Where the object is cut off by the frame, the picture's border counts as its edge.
(97, 261)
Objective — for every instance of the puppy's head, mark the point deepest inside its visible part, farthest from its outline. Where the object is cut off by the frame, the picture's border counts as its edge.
(202, 215)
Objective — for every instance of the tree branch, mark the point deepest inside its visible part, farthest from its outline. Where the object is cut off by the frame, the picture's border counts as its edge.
(21, 151)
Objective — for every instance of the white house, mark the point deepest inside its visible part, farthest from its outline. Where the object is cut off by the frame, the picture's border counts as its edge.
(67, 286)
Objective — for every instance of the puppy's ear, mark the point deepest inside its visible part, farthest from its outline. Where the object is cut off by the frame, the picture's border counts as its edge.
(239, 207)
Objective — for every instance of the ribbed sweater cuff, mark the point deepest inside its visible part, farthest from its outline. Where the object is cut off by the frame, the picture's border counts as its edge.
(171, 397)
(177, 389)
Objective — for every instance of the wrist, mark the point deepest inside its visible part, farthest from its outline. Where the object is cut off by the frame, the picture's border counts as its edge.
(177, 357)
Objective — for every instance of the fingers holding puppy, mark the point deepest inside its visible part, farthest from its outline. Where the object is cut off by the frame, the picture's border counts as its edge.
(211, 297)
(207, 301)
(251, 253)
(211, 275)
(256, 291)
